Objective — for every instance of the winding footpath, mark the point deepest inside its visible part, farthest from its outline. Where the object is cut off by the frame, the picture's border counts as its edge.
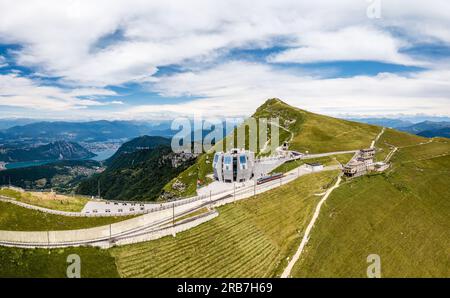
(288, 269)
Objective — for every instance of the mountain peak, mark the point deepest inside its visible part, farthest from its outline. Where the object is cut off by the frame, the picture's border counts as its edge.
(273, 101)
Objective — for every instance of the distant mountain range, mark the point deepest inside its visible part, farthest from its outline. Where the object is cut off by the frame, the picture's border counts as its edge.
(7, 123)
(427, 128)
(59, 150)
(93, 131)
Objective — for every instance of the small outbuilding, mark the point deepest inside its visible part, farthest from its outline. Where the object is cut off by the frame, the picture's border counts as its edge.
(314, 166)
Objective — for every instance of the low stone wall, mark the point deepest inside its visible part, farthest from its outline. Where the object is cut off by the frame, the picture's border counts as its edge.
(105, 232)
(49, 239)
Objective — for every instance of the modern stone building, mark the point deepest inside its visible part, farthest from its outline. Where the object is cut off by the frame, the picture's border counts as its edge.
(355, 168)
(234, 166)
(361, 165)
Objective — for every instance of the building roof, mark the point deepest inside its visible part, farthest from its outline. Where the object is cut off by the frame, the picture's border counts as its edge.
(314, 164)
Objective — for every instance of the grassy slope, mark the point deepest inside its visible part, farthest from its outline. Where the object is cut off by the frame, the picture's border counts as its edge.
(16, 218)
(62, 203)
(17, 262)
(312, 132)
(401, 215)
(251, 238)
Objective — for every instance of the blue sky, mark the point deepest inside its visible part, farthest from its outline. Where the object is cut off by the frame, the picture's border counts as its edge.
(133, 59)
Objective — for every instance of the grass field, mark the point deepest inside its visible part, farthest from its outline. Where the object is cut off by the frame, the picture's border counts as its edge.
(395, 138)
(47, 200)
(321, 134)
(401, 215)
(251, 238)
(16, 218)
(18, 262)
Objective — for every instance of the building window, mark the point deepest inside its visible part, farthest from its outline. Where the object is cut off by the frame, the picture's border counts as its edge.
(227, 160)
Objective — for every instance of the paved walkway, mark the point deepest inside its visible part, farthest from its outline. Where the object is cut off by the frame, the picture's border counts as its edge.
(309, 156)
(372, 145)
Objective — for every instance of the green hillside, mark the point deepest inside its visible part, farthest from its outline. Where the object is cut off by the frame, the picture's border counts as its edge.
(305, 131)
(251, 238)
(61, 176)
(143, 142)
(401, 215)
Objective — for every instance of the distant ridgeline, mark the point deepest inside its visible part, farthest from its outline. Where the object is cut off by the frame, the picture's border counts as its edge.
(428, 129)
(92, 131)
(138, 171)
(60, 150)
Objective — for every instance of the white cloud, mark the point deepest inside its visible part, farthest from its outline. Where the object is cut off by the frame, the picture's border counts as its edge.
(348, 44)
(3, 62)
(64, 37)
(92, 44)
(17, 91)
(238, 88)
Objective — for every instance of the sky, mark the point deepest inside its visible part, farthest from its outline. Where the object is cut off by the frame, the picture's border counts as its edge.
(144, 60)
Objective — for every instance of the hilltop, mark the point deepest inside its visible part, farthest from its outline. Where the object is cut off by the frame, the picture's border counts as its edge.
(303, 130)
(315, 133)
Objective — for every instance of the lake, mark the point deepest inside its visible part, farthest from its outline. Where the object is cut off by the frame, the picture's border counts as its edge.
(24, 164)
(103, 155)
